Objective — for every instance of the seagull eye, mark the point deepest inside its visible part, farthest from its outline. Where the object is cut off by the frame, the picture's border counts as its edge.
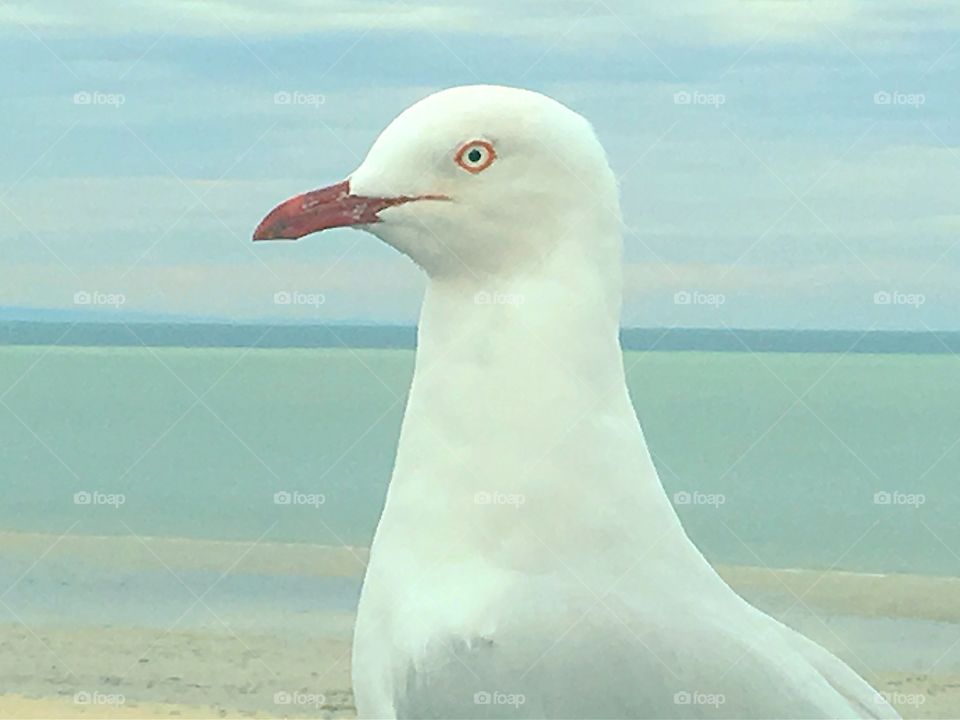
(475, 156)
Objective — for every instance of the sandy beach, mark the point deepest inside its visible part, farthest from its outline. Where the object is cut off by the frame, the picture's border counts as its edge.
(215, 675)
(114, 672)
(159, 628)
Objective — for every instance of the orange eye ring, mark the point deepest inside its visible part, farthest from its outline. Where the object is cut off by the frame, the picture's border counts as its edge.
(475, 156)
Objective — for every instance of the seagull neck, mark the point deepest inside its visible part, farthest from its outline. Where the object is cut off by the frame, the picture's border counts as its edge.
(519, 398)
(558, 326)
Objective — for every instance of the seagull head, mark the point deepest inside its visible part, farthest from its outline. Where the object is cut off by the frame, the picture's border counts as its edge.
(470, 180)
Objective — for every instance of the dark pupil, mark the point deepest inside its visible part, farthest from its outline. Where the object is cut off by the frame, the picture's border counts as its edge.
(474, 155)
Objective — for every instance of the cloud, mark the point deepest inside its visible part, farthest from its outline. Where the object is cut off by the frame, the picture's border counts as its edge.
(692, 22)
(220, 18)
(832, 295)
(105, 195)
(357, 286)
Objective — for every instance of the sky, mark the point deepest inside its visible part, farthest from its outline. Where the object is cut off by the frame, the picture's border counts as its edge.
(782, 164)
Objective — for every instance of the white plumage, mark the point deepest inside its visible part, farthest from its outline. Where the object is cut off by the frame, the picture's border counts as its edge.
(528, 562)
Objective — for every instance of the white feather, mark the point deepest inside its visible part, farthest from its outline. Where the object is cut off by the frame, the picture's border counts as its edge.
(527, 553)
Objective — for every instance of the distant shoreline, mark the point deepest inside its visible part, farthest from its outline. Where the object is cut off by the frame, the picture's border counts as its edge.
(892, 595)
(399, 337)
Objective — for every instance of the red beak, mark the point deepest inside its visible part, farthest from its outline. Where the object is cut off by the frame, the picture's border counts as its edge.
(329, 207)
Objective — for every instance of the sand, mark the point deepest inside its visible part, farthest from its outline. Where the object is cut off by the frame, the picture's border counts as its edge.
(120, 672)
(18, 706)
(215, 675)
(102, 628)
(866, 594)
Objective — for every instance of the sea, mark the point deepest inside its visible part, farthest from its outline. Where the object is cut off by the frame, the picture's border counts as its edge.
(824, 450)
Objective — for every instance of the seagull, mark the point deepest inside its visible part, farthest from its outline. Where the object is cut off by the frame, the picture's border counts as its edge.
(528, 562)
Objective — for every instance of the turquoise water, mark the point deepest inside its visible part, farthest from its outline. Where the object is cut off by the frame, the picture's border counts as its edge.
(196, 442)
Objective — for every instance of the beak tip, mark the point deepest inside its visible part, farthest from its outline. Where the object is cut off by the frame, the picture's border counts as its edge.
(269, 231)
